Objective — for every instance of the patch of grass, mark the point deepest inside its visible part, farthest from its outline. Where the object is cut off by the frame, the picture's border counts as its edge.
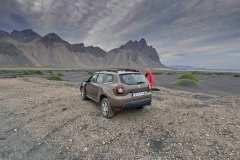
(202, 73)
(60, 74)
(22, 72)
(50, 72)
(188, 76)
(158, 72)
(31, 72)
(187, 79)
(170, 73)
(186, 83)
(236, 75)
(54, 77)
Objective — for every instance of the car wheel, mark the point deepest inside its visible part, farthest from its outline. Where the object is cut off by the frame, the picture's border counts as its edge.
(140, 107)
(106, 108)
(83, 93)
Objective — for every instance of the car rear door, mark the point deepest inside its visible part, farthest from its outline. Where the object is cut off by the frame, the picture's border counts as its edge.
(134, 84)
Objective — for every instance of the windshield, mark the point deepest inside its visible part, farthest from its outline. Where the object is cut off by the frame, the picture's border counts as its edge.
(132, 78)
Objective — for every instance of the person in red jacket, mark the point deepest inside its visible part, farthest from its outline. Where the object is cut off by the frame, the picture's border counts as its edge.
(149, 77)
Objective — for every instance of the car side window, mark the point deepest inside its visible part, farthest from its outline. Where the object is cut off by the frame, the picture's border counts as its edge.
(94, 78)
(107, 78)
(100, 78)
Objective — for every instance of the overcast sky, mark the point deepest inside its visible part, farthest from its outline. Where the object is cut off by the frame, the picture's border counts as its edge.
(200, 33)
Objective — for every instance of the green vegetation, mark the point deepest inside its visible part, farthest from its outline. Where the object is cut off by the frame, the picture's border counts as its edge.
(55, 77)
(49, 74)
(159, 72)
(189, 76)
(21, 72)
(236, 75)
(60, 74)
(186, 82)
(32, 72)
(214, 73)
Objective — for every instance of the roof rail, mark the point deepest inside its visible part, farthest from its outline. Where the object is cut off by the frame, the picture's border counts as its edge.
(121, 69)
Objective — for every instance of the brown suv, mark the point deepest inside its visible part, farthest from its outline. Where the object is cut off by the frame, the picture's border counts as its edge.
(117, 89)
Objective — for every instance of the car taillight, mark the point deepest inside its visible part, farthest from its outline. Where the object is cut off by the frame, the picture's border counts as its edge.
(119, 89)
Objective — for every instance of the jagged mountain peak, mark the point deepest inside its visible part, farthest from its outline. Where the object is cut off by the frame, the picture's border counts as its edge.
(52, 37)
(142, 43)
(26, 35)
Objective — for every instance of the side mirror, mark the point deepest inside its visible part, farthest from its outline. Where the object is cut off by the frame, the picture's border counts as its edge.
(89, 80)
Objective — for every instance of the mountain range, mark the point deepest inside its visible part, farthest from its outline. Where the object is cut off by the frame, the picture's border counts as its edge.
(28, 48)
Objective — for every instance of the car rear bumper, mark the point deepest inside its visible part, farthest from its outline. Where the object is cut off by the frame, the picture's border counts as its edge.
(138, 103)
(120, 102)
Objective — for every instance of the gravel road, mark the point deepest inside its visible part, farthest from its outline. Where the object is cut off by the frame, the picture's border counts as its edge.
(46, 120)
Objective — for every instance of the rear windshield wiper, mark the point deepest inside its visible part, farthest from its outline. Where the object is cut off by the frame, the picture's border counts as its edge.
(140, 82)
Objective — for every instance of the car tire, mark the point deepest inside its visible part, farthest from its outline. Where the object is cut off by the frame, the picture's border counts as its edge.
(140, 107)
(83, 93)
(106, 108)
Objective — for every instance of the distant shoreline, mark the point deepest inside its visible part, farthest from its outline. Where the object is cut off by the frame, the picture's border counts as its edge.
(92, 69)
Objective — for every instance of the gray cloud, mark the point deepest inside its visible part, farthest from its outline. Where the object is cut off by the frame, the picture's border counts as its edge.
(184, 32)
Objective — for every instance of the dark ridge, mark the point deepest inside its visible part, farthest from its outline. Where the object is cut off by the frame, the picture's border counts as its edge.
(25, 35)
(135, 44)
(79, 47)
(51, 38)
(95, 51)
(4, 34)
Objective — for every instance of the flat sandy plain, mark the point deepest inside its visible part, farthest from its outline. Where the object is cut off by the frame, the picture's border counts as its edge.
(46, 120)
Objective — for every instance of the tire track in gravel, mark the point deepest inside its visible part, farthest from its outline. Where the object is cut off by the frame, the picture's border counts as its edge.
(35, 148)
(42, 112)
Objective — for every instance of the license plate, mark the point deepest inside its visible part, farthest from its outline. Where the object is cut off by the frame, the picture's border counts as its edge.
(138, 94)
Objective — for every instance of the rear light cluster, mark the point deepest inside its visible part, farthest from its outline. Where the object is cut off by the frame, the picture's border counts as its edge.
(119, 89)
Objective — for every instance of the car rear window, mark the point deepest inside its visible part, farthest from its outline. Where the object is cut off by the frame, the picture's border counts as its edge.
(132, 78)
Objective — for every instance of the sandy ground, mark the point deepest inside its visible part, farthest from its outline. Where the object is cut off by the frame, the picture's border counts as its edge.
(46, 120)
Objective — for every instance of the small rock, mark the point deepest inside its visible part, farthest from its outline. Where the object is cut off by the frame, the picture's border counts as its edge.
(70, 140)
(15, 130)
(2, 138)
(85, 149)
(64, 109)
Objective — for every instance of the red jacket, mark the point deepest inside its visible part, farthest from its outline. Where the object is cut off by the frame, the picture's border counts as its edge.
(149, 77)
